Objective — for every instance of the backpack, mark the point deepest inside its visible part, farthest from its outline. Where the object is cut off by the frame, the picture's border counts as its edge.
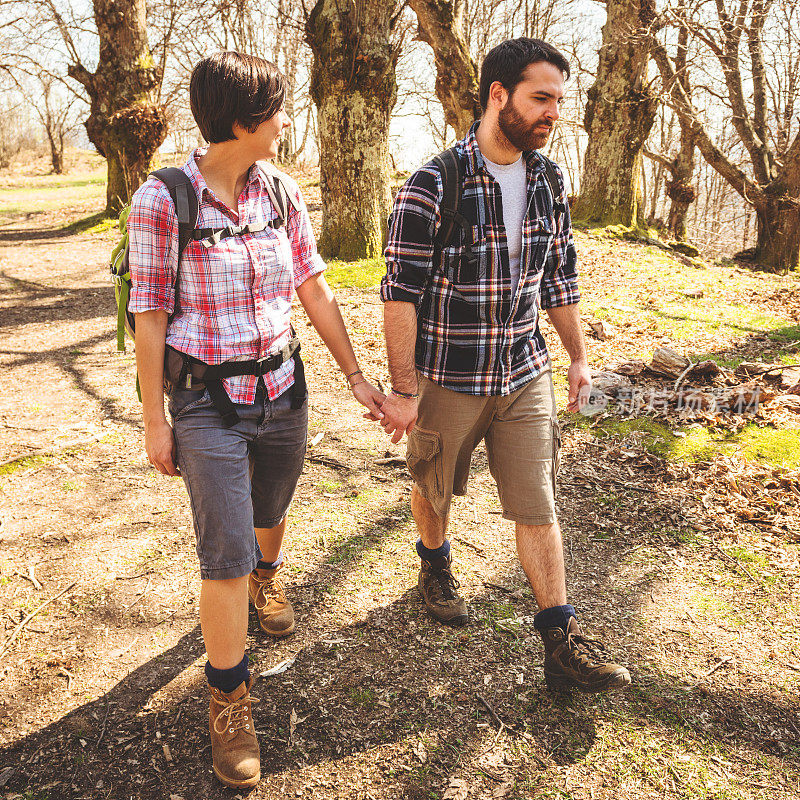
(452, 173)
(186, 367)
(187, 208)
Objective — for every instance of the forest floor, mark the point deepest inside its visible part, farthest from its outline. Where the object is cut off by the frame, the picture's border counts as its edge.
(681, 545)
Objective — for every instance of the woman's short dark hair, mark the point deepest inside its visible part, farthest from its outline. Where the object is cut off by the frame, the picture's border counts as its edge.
(233, 87)
(507, 62)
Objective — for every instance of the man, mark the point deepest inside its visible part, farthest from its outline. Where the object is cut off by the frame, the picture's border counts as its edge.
(466, 356)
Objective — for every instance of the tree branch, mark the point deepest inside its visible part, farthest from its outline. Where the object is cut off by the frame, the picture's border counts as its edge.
(682, 105)
(668, 163)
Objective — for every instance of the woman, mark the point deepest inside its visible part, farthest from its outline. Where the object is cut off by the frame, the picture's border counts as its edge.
(238, 440)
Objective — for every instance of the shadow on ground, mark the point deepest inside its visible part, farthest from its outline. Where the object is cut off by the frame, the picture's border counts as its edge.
(391, 680)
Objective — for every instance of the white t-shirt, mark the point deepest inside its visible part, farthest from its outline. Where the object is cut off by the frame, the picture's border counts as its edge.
(513, 179)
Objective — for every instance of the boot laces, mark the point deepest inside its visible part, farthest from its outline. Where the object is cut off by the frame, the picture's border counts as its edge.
(446, 582)
(584, 649)
(269, 588)
(235, 715)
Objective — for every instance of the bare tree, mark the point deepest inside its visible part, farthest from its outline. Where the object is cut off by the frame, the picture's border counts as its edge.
(126, 123)
(680, 187)
(769, 178)
(57, 116)
(354, 87)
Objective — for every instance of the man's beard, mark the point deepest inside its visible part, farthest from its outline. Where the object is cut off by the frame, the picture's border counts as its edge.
(522, 135)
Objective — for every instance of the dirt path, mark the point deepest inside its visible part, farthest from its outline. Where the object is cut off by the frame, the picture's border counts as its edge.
(102, 693)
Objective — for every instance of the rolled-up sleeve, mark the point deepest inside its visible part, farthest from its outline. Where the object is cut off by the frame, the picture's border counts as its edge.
(412, 226)
(153, 249)
(560, 282)
(306, 261)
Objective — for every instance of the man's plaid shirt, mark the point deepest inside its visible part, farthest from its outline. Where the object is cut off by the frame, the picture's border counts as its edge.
(474, 335)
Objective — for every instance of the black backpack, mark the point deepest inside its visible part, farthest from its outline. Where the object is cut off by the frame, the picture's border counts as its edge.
(185, 367)
(450, 167)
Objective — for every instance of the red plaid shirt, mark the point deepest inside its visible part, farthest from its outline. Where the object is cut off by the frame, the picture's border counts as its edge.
(235, 297)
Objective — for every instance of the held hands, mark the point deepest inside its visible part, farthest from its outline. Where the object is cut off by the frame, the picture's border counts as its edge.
(399, 415)
(580, 384)
(370, 397)
(159, 442)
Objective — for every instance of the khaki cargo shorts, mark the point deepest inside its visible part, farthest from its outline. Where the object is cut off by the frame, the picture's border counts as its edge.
(522, 441)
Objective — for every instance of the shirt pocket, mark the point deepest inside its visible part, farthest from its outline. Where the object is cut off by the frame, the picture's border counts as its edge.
(466, 261)
(537, 239)
(272, 264)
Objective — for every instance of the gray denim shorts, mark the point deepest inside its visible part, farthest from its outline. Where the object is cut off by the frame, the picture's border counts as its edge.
(238, 478)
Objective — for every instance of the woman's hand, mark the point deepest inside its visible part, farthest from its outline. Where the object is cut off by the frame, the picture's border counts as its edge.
(371, 397)
(159, 441)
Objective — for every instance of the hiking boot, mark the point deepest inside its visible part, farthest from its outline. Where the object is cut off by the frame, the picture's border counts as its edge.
(275, 612)
(574, 661)
(438, 589)
(234, 748)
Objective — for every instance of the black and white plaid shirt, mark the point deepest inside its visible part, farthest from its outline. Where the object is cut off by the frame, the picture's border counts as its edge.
(474, 335)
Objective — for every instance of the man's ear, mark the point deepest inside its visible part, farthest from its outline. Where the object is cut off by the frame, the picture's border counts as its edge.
(498, 94)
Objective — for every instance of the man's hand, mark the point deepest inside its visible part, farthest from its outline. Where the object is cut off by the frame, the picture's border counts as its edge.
(399, 416)
(580, 384)
(371, 397)
(159, 441)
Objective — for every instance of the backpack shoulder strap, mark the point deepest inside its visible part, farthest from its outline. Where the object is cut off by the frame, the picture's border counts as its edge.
(452, 178)
(279, 194)
(556, 190)
(184, 198)
(187, 209)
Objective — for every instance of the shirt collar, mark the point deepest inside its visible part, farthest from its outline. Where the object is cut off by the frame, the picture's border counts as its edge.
(475, 161)
(197, 179)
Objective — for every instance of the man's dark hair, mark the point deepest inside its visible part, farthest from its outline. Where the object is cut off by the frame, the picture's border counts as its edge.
(507, 62)
(233, 87)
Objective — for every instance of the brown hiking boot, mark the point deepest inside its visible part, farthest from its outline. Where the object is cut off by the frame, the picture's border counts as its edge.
(438, 589)
(234, 748)
(573, 661)
(275, 612)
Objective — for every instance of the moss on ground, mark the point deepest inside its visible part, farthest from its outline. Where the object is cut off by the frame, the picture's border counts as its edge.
(767, 445)
(355, 274)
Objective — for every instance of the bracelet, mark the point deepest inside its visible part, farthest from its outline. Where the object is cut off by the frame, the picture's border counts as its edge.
(357, 372)
(353, 385)
(405, 395)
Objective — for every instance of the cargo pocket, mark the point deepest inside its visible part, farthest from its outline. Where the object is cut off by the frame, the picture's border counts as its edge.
(556, 452)
(424, 459)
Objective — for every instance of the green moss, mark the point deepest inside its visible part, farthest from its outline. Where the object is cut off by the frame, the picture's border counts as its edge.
(21, 463)
(355, 274)
(94, 223)
(655, 437)
(778, 448)
(768, 445)
(788, 333)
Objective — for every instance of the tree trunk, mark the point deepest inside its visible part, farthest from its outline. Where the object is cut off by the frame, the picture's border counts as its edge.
(126, 124)
(778, 244)
(679, 188)
(441, 25)
(620, 111)
(56, 142)
(354, 88)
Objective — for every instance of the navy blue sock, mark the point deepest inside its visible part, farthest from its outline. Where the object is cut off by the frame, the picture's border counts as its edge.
(431, 555)
(555, 617)
(226, 680)
(270, 564)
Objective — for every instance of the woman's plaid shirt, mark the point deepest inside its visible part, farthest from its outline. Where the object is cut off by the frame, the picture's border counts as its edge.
(235, 297)
(474, 335)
